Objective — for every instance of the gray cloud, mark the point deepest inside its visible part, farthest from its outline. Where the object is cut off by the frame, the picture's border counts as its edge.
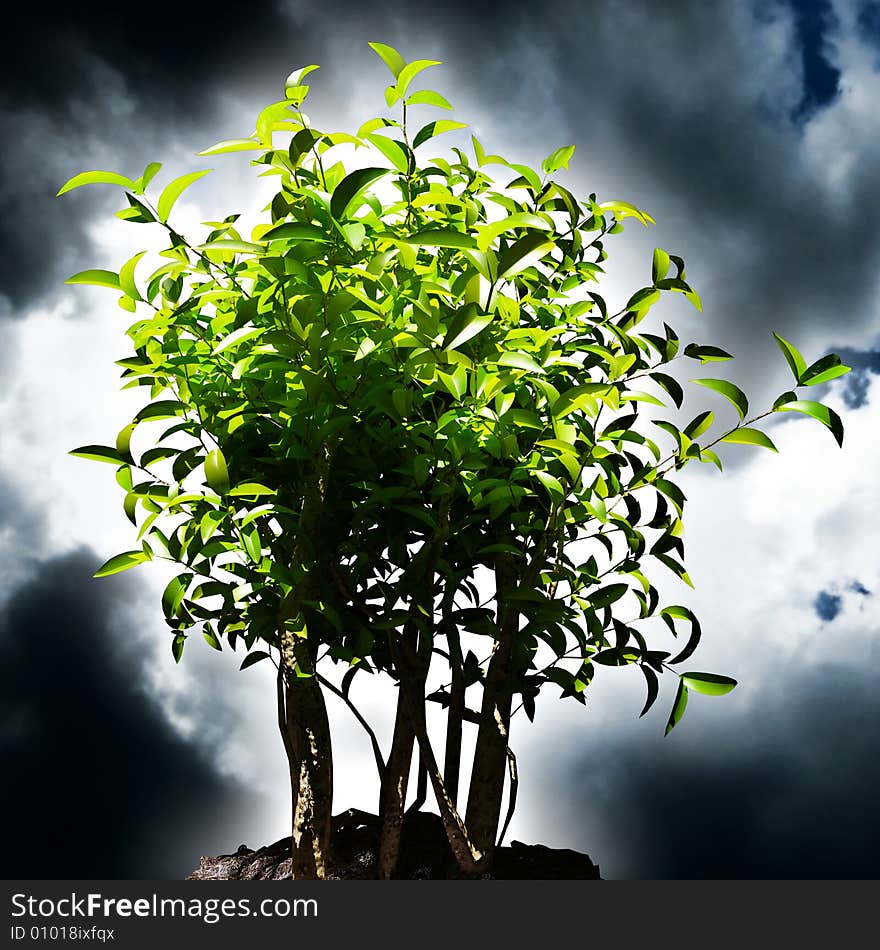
(786, 790)
(99, 783)
(827, 606)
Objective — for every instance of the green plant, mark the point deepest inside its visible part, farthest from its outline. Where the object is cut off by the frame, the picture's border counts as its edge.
(400, 391)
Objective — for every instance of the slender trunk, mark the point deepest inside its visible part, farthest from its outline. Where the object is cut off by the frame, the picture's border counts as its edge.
(309, 731)
(394, 788)
(412, 686)
(306, 727)
(490, 755)
(455, 715)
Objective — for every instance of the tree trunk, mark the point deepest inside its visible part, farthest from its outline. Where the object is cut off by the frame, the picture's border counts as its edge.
(455, 715)
(309, 730)
(394, 788)
(490, 756)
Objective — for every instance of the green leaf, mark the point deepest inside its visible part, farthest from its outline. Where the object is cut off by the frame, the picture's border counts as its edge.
(172, 597)
(606, 596)
(391, 149)
(216, 472)
(252, 544)
(576, 398)
(437, 127)
(520, 361)
(149, 174)
(295, 80)
(824, 370)
(211, 637)
(558, 159)
(711, 684)
(241, 335)
(455, 382)
(233, 246)
(290, 231)
(252, 489)
(746, 436)
(123, 441)
(126, 277)
(551, 483)
(678, 707)
(174, 190)
(730, 392)
(427, 97)
(441, 237)
(253, 658)
(521, 219)
(659, 265)
(706, 354)
(523, 253)
(177, 645)
(410, 71)
(653, 684)
(466, 325)
(351, 188)
(121, 562)
(794, 359)
(161, 409)
(98, 453)
(389, 55)
(234, 145)
(828, 417)
(96, 178)
(699, 424)
(98, 278)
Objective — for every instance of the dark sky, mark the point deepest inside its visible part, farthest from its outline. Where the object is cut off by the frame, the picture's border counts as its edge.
(749, 130)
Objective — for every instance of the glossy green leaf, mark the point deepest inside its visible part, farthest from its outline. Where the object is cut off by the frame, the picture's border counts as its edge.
(653, 684)
(711, 684)
(827, 416)
(251, 490)
(699, 424)
(824, 370)
(253, 658)
(216, 472)
(606, 596)
(174, 190)
(96, 178)
(747, 436)
(410, 71)
(441, 237)
(121, 562)
(520, 361)
(394, 151)
(523, 253)
(234, 145)
(466, 325)
(678, 707)
(558, 159)
(706, 354)
(437, 127)
(347, 193)
(389, 55)
(241, 335)
(576, 398)
(291, 231)
(98, 278)
(99, 453)
(232, 246)
(794, 359)
(659, 264)
(427, 97)
(730, 392)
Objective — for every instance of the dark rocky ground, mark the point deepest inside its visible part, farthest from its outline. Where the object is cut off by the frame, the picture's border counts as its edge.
(424, 856)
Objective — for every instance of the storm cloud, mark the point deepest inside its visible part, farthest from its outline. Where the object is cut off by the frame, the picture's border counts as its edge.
(750, 132)
(98, 783)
